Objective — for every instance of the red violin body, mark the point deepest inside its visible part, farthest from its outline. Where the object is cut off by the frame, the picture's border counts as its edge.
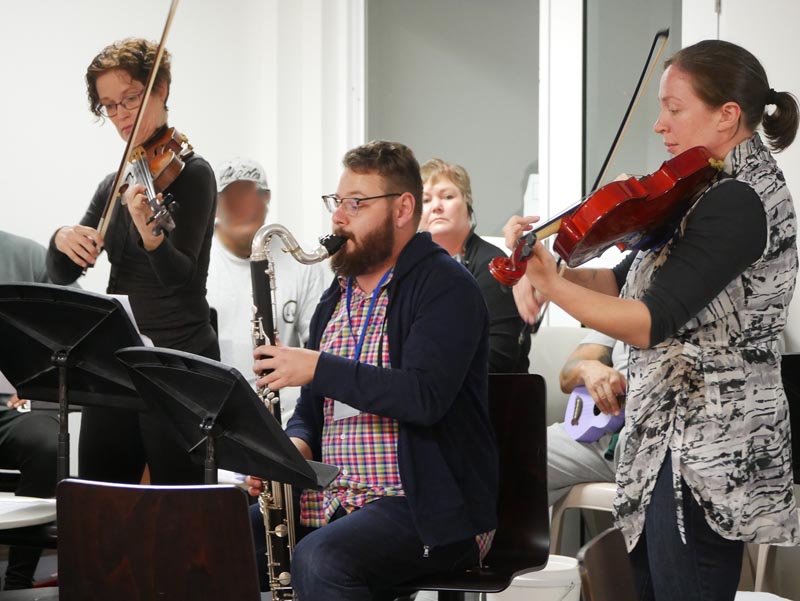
(631, 214)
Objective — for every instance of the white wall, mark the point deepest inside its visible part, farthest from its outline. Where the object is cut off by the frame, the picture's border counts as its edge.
(560, 114)
(457, 79)
(277, 80)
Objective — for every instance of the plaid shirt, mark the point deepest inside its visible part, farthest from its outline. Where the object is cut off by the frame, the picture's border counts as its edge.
(364, 446)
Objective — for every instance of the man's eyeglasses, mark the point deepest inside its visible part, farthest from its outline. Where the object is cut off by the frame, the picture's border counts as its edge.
(350, 205)
(130, 102)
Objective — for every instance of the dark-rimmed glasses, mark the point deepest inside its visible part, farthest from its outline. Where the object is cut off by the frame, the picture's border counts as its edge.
(130, 102)
(350, 204)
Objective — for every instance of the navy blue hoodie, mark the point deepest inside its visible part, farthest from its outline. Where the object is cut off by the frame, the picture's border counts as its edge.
(436, 388)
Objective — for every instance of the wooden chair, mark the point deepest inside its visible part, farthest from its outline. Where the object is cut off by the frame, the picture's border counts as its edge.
(521, 543)
(151, 542)
(605, 568)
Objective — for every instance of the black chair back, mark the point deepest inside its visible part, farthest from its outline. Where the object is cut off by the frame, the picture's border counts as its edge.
(517, 405)
(149, 542)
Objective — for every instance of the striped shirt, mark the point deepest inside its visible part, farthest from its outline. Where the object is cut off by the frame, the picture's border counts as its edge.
(363, 445)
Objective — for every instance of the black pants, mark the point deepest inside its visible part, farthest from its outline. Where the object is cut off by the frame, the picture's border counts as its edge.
(28, 443)
(115, 444)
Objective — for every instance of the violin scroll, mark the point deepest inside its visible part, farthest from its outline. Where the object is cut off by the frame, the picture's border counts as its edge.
(509, 270)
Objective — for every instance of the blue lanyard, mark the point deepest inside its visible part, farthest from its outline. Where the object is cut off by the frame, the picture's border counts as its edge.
(375, 294)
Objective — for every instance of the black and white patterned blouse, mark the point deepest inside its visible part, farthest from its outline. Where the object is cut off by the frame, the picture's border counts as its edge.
(711, 393)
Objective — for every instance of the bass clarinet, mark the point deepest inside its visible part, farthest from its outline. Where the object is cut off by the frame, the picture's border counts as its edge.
(275, 501)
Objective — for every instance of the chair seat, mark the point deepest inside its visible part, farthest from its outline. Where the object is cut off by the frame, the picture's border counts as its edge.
(479, 580)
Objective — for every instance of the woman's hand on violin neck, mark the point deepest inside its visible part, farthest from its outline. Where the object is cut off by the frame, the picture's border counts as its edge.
(529, 305)
(136, 201)
(80, 243)
(541, 271)
(515, 228)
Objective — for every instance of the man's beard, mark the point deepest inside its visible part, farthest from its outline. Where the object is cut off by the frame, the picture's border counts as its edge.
(374, 248)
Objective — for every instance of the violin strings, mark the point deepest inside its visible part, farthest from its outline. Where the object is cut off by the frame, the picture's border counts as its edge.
(143, 176)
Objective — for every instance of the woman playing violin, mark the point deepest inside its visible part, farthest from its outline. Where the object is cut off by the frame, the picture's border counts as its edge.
(707, 465)
(163, 274)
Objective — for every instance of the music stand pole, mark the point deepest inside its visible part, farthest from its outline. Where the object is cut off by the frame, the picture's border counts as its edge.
(60, 359)
(210, 473)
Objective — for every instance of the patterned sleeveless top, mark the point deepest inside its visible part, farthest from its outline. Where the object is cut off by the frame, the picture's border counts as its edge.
(712, 393)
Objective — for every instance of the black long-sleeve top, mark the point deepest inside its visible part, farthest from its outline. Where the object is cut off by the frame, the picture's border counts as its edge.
(725, 233)
(509, 337)
(167, 286)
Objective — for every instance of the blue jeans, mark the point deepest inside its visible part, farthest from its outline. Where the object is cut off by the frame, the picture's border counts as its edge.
(366, 555)
(706, 568)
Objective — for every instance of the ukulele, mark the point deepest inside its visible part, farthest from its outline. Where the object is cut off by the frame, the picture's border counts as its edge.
(584, 421)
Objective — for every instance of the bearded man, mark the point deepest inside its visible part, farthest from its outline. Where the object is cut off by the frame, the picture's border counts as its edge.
(395, 381)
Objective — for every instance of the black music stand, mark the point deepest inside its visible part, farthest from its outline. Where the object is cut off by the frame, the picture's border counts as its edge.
(58, 346)
(207, 401)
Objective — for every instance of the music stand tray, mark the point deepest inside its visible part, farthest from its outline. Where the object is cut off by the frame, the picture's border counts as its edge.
(58, 346)
(210, 402)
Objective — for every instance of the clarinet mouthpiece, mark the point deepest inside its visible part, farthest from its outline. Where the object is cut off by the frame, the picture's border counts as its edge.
(332, 243)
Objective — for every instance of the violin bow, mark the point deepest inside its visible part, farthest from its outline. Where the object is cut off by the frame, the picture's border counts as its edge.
(644, 81)
(108, 211)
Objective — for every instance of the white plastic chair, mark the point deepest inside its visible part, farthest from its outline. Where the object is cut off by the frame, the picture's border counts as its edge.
(589, 495)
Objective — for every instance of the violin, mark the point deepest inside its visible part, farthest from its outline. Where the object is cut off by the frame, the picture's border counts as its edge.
(155, 165)
(637, 213)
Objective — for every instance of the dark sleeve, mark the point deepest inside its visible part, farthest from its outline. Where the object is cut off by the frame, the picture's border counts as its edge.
(725, 233)
(175, 260)
(61, 269)
(505, 324)
(620, 270)
(307, 421)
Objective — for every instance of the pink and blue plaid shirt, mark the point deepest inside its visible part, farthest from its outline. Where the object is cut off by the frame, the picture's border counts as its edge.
(363, 445)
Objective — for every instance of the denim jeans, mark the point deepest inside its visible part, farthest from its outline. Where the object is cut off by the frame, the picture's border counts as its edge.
(367, 554)
(705, 568)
